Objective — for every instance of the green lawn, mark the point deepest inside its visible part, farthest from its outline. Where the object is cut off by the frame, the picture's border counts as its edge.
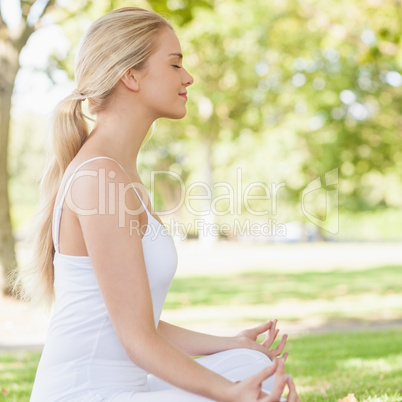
(259, 287)
(347, 297)
(330, 366)
(17, 373)
(325, 367)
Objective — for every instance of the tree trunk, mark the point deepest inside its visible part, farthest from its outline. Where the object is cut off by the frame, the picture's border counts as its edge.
(9, 62)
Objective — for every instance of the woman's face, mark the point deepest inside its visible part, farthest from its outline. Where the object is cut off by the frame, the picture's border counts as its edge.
(164, 81)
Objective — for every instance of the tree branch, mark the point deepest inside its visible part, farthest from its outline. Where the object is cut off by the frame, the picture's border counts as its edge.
(26, 29)
(48, 5)
(22, 39)
(26, 6)
(2, 23)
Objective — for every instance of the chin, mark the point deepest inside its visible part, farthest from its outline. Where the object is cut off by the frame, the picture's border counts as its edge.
(176, 116)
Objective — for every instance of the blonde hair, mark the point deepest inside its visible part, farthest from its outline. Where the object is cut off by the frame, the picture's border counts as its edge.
(116, 42)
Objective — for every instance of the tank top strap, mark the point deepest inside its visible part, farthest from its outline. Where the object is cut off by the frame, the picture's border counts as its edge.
(142, 202)
(58, 208)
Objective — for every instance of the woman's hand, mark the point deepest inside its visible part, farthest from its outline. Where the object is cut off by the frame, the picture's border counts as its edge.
(250, 389)
(281, 380)
(248, 339)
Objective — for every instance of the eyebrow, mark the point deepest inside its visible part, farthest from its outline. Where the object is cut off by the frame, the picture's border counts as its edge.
(176, 54)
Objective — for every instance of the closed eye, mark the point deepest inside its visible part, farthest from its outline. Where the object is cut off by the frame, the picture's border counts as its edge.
(175, 65)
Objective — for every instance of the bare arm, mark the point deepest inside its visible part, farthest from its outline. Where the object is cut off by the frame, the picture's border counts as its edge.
(118, 262)
(197, 344)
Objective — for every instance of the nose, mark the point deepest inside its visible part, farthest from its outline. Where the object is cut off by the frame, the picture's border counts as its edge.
(188, 78)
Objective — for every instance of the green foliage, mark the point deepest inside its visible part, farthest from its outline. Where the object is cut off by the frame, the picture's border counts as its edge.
(382, 223)
(286, 91)
(183, 10)
(293, 90)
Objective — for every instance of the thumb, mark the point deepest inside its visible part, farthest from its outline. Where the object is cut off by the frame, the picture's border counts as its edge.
(265, 373)
(262, 327)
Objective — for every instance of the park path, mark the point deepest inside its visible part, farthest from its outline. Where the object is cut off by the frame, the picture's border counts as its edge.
(22, 326)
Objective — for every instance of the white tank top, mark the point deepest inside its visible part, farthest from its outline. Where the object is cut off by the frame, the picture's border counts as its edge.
(82, 353)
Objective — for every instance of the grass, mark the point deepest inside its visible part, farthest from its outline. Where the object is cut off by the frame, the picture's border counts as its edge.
(330, 366)
(360, 297)
(17, 374)
(326, 367)
(260, 287)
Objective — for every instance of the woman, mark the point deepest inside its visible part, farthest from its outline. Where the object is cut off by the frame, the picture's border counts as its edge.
(95, 252)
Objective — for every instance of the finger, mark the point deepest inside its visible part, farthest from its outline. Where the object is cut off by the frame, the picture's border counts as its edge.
(270, 337)
(292, 396)
(278, 350)
(257, 331)
(280, 381)
(263, 327)
(265, 373)
(282, 360)
(254, 332)
(264, 398)
(256, 380)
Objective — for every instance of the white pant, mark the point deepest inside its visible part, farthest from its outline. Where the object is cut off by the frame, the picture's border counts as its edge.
(235, 365)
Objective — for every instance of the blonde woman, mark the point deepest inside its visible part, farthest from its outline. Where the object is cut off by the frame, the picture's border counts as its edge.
(107, 258)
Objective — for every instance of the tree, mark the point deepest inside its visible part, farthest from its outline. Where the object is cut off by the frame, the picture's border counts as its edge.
(12, 41)
(314, 85)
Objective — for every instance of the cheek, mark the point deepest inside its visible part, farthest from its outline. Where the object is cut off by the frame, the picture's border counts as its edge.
(160, 87)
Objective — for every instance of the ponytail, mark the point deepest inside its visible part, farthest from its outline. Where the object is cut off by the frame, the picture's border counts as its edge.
(69, 131)
(116, 42)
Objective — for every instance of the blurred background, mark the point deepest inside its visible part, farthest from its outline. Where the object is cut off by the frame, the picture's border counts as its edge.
(283, 184)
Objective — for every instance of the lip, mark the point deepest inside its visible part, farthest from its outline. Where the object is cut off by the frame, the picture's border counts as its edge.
(183, 95)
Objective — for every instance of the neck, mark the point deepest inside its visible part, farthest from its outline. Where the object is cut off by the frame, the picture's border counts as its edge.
(120, 131)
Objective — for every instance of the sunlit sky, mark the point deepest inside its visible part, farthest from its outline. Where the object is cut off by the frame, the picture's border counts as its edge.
(33, 89)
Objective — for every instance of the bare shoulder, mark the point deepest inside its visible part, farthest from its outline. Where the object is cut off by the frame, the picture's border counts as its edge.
(91, 170)
(108, 212)
(100, 186)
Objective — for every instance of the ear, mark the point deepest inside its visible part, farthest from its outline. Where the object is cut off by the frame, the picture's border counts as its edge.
(131, 80)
